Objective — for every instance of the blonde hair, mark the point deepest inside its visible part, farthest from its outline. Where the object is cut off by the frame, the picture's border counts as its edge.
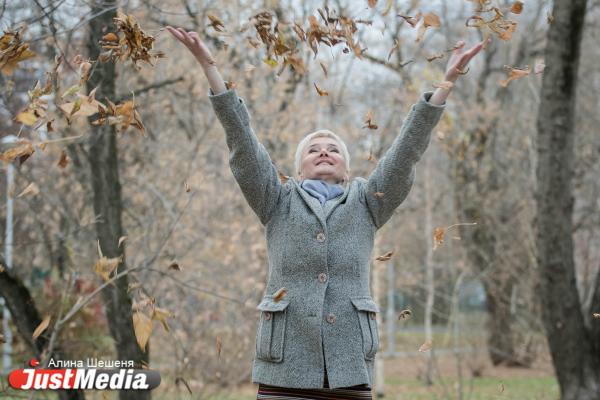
(320, 133)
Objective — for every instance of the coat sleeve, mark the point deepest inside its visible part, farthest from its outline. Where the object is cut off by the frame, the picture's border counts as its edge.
(395, 172)
(249, 161)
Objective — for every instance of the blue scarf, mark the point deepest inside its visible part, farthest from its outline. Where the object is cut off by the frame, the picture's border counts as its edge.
(322, 190)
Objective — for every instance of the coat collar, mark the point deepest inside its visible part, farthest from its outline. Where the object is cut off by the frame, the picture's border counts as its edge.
(321, 212)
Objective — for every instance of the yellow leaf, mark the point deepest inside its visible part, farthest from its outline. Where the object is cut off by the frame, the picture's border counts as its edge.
(26, 117)
(41, 327)
(142, 326)
(31, 188)
(161, 315)
(514, 73)
(105, 266)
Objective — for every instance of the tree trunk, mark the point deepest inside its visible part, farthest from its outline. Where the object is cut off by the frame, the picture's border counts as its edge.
(26, 318)
(573, 341)
(108, 206)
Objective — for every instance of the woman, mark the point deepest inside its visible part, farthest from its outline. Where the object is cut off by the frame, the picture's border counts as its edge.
(320, 340)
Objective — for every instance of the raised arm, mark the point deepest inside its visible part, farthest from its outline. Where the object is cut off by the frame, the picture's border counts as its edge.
(395, 172)
(393, 177)
(248, 159)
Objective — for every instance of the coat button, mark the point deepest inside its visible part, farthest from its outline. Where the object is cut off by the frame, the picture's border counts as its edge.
(331, 318)
(322, 277)
(267, 315)
(321, 237)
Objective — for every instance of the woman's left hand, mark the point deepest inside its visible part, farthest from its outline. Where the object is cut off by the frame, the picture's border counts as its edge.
(460, 59)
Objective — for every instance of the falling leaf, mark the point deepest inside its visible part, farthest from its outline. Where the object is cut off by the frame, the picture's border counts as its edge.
(64, 160)
(41, 327)
(446, 85)
(517, 7)
(13, 51)
(216, 23)
(280, 294)
(142, 326)
(32, 188)
(549, 18)
(22, 150)
(324, 69)
(425, 346)
(540, 65)
(596, 315)
(439, 233)
(514, 73)
(501, 388)
(161, 315)
(377, 194)
(106, 266)
(435, 57)
(187, 187)
(110, 37)
(121, 240)
(321, 91)
(429, 20)
(385, 257)
(369, 121)
(133, 286)
(404, 314)
(174, 266)
(413, 21)
(219, 346)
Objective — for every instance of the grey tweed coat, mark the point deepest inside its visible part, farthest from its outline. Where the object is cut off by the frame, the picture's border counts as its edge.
(320, 254)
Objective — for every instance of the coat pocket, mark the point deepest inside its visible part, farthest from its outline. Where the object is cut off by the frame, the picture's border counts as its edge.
(270, 337)
(367, 318)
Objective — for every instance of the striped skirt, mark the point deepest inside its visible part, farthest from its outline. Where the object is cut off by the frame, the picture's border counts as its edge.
(281, 393)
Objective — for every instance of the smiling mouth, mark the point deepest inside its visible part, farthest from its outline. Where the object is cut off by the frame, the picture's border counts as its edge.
(324, 162)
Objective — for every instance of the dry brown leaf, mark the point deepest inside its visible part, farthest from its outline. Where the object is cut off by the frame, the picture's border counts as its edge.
(32, 188)
(41, 327)
(216, 23)
(187, 187)
(280, 294)
(517, 7)
(142, 326)
(429, 20)
(27, 117)
(161, 315)
(121, 240)
(425, 346)
(174, 266)
(106, 266)
(133, 286)
(23, 149)
(378, 194)
(369, 121)
(514, 73)
(440, 232)
(404, 314)
(13, 51)
(413, 21)
(385, 257)
(323, 68)
(64, 160)
(321, 91)
(282, 178)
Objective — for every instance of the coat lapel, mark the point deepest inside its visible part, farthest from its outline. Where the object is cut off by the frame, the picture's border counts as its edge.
(316, 207)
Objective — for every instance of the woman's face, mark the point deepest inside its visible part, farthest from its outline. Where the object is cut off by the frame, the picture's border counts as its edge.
(322, 159)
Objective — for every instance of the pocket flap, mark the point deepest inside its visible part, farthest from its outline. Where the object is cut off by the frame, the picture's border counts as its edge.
(365, 303)
(268, 304)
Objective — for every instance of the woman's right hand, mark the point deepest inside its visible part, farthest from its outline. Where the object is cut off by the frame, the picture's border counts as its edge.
(195, 45)
(198, 48)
